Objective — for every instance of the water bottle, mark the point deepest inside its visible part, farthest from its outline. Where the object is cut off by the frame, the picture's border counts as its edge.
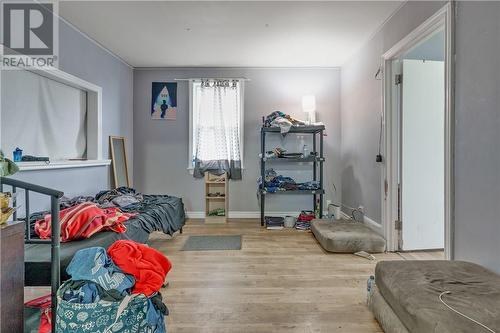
(17, 154)
(370, 283)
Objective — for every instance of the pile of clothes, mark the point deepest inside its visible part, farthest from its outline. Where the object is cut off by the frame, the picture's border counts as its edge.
(119, 197)
(304, 220)
(83, 216)
(282, 120)
(126, 269)
(274, 182)
(282, 153)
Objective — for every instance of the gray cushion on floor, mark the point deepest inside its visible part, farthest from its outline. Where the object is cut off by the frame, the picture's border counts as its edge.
(412, 290)
(384, 314)
(343, 236)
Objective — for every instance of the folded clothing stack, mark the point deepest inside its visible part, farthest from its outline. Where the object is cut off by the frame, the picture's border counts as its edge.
(129, 275)
(304, 220)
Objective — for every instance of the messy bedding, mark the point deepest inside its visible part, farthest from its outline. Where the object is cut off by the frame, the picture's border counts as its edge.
(100, 221)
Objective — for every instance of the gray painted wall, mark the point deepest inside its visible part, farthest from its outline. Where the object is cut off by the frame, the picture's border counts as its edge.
(161, 146)
(361, 106)
(82, 58)
(477, 134)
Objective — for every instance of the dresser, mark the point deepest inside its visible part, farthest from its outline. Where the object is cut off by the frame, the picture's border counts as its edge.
(12, 277)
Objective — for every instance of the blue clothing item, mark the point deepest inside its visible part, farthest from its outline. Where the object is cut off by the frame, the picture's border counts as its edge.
(155, 318)
(312, 185)
(93, 264)
(86, 294)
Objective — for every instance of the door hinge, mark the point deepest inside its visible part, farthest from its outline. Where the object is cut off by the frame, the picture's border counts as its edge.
(398, 79)
(398, 225)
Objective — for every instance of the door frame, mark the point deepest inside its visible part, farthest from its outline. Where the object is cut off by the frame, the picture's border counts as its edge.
(442, 19)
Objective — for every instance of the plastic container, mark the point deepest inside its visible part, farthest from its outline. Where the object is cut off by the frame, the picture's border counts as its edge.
(290, 221)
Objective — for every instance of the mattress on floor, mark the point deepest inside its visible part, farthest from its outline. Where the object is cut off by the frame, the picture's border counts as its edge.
(412, 290)
(343, 236)
(37, 258)
(387, 319)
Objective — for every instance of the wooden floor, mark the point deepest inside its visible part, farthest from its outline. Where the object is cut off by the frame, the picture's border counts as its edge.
(281, 281)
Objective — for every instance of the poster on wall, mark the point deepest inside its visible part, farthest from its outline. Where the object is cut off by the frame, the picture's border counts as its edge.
(164, 100)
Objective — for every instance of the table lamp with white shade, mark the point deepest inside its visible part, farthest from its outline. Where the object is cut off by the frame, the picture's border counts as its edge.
(309, 107)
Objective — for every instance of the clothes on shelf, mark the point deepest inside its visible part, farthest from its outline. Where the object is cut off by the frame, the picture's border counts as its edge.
(148, 266)
(274, 182)
(83, 221)
(282, 120)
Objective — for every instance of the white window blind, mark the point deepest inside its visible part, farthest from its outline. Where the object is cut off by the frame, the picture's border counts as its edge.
(43, 117)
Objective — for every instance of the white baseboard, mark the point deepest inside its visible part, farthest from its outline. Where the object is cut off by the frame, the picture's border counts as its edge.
(372, 224)
(242, 214)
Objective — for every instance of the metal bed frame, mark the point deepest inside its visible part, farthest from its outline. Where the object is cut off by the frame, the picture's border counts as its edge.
(55, 240)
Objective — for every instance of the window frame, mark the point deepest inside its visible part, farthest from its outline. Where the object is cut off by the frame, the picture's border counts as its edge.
(190, 165)
(94, 156)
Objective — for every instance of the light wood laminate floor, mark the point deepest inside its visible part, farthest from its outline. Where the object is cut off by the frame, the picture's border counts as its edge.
(280, 281)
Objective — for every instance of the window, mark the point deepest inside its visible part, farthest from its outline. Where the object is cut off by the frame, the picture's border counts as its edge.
(216, 125)
(43, 117)
(50, 113)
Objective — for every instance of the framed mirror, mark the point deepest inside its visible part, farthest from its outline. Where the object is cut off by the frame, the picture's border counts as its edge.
(119, 161)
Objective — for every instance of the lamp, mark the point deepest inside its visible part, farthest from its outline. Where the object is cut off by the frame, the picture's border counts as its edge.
(309, 106)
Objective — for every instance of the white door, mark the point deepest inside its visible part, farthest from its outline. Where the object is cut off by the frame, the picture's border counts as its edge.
(422, 155)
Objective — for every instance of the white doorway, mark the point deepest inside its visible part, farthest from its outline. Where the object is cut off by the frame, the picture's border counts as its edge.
(417, 169)
(421, 155)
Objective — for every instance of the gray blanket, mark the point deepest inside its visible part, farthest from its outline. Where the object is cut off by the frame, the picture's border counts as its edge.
(159, 213)
(412, 289)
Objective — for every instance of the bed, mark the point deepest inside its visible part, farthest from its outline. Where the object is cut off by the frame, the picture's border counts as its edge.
(155, 213)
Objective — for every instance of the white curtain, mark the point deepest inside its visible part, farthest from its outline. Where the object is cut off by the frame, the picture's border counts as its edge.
(42, 117)
(216, 127)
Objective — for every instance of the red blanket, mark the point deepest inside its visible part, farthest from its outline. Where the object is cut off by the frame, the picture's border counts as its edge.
(83, 221)
(148, 266)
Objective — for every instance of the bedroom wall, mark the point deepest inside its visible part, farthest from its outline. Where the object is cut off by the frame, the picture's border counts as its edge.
(161, 146)
(361, 106)
(477, 133)
(81, 57)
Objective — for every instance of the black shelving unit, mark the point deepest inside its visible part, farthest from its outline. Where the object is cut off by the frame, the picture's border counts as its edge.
(317, 163)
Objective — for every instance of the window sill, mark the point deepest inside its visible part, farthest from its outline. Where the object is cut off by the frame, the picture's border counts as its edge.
(32, 166)
(191, 169)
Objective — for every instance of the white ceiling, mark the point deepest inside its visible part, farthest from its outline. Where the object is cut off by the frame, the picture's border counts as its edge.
(229, 33)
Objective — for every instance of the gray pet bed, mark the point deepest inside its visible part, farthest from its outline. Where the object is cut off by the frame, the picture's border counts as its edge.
(407, 294)
(343, 236)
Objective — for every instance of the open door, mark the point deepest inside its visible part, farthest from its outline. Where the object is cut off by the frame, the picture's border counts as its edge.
(422, 155)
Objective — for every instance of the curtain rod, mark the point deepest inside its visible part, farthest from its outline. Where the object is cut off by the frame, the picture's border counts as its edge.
(215, 78)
